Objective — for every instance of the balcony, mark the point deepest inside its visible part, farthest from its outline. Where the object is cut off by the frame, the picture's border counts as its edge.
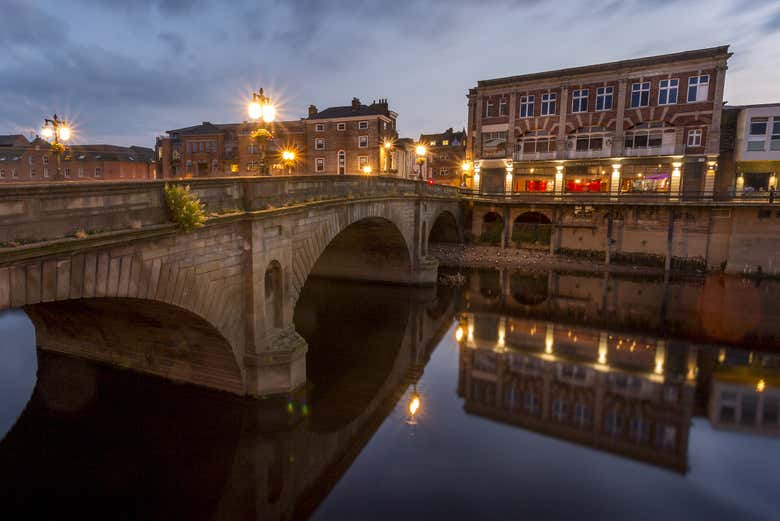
(533, 156)
(587, 154)
(667, 149)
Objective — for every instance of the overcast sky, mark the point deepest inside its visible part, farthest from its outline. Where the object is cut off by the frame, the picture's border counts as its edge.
(125, 71)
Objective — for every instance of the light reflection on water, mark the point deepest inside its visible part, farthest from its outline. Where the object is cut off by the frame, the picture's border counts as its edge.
(518, 395)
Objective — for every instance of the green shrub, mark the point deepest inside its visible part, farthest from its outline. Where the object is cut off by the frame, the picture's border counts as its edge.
(184, 207)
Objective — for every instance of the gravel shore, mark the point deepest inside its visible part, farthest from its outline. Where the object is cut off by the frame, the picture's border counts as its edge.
(458, 255)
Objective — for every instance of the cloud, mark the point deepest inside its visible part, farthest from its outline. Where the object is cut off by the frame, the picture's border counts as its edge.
(27, 24)
(174, 41)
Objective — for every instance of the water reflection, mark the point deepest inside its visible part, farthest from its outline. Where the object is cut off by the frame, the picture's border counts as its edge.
(392, 421)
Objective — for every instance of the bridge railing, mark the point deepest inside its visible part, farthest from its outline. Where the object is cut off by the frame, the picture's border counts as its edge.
(619, 197)
(40, 212)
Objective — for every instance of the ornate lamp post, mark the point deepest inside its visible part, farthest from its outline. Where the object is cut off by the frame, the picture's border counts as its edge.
(60, 131)
(388, 150)
(421, 151)
(288, 157)
(262, 110)
(465, 168)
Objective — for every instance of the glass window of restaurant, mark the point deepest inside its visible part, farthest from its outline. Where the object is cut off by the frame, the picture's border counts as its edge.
(645, 178)
(755, 182)
(582, 178)
(534, 179)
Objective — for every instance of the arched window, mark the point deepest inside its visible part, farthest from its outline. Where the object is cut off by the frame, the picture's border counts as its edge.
(342, 162)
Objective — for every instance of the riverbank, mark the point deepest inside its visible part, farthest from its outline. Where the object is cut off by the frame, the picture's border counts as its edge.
(471, 256)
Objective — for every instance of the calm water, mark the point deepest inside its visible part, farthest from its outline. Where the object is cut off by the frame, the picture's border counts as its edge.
(540, 396)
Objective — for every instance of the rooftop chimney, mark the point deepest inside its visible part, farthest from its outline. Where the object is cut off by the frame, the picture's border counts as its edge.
(355, 103)
(381, 106)
(312, 111)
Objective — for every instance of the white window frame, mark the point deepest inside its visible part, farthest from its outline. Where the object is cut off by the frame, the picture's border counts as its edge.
(503, 106)
(341, 127)
(81, 171)
(33, 173)
(579, 98)
(549, 105)
(13, 173)
(362, 141)
(362, 161)
(319, 143)
(488, 108)
(66, 171)
(604, 94)
(45, 171)
(693, 137)
(669, 86)
(642, 88)
(98, 171)
(363, 125)
(757, 121)
(2, 172)
(702, 85)
(319, 127)
(527, 106)
(319, 164)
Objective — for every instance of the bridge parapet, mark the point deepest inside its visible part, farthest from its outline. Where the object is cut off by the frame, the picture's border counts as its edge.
(33, 213)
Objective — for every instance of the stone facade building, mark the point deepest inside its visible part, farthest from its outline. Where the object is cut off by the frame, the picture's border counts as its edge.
(22, 161)
(446, 153)
(641, 125)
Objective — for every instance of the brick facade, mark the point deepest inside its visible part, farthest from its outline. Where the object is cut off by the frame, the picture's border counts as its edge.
(446, 152)
(646, 114)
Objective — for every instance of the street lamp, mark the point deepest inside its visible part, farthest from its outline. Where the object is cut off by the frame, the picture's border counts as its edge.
(465, 168)
(262, 110)
(59, 130)
(421, 151)
(388, 147)
(288, 157)
(367, 169)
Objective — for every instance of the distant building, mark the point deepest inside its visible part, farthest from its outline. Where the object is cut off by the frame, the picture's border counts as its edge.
(218, 150)
(750, 149)
(641, 125)
(446, 152)
(343, 140)
(404, 161)
(29, 162)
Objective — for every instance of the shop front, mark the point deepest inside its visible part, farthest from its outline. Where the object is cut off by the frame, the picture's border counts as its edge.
(586, 178)
(533, 179)
(646, 178)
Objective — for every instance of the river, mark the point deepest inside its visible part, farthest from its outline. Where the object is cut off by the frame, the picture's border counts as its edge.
(502, 395)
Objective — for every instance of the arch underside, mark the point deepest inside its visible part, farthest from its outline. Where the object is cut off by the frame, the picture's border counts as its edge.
(144, 336)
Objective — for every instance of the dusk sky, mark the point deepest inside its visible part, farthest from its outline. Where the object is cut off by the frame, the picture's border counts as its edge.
(126, 71)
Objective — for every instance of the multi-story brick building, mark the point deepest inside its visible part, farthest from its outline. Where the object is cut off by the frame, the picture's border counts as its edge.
(446, 153)
(750, 150)
(26, 162)
(209, 150)
(337, 140)
(641, 125)
(342, 140)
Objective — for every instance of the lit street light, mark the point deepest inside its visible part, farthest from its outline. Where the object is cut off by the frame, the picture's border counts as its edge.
(465, 168)
(421, 151)
(262, 110)
(367, 169)
(58, 130)
(388, 147)
(288, 157)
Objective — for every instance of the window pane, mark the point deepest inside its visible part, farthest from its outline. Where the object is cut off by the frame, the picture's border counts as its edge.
(655, 140)
(582, 143)
(640, 140)
(692, 93)
(758, 126)
(672, 95)
(755, 146)
(596, 143)
(775, 144)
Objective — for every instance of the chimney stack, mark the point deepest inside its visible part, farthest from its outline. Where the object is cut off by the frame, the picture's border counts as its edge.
(312, 111)
(355, 104)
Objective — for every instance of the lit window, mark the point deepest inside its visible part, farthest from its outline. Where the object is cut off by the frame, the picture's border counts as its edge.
(667, 92)
(604, 98)
(640, 94)
(527, 106)
(319, 164)
(362, 125)
(698, 88)
(694, 137)
(363, 141)
(234, 168)
(445, 142)
(319, 144)
(548, 104)
(341, 126)
(433, 143)
(579, 100)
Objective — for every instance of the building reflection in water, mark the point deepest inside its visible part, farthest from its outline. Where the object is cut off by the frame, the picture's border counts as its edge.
(628, 394)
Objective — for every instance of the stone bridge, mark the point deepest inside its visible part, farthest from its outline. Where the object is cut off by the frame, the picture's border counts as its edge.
(242, 272)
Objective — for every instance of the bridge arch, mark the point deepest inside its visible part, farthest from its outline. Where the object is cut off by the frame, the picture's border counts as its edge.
(444, 229)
